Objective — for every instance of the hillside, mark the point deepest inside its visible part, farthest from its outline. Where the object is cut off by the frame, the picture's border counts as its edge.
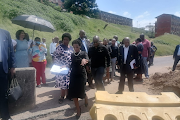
(166, 44)
(66, 22)
(63, 22)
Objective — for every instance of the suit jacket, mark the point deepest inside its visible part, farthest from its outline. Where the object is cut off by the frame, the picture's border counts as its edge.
(176, 51)
(8, 59)
(82, 46)
(132, 54)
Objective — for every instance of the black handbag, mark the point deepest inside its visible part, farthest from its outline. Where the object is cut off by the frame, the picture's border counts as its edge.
(15, 91)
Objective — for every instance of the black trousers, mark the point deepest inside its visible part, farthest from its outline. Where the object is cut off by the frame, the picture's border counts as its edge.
(3, 92)
(89, 78)
(176, 60)
(123, 77)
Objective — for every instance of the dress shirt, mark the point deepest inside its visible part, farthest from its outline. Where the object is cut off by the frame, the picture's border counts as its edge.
(84, 43)
(52, 48)
(1, 50)
(14, 42)
(178, 53)
(126, 49)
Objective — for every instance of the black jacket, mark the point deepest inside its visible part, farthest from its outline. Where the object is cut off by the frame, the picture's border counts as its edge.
(98, 56)
(132, 54)
(114, 52)
(176, 51)
(82, 46)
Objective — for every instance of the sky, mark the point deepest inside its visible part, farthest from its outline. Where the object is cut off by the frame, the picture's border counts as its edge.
(143, 12)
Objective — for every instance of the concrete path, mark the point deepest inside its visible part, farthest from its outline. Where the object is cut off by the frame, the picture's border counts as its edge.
(47, 97)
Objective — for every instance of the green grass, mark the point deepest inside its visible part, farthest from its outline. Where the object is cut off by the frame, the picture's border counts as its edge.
(66, 22)
(166, 44)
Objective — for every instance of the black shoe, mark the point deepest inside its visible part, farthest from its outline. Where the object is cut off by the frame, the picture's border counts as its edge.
(78, 116)
(119, 92)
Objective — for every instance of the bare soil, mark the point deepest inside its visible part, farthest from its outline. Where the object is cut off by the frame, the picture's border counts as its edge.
(165, 82)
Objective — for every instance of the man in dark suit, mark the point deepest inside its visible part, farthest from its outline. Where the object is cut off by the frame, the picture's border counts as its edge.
(127, 53)
(84, 42)
(85, 45)
(7, 65)
(176, 56)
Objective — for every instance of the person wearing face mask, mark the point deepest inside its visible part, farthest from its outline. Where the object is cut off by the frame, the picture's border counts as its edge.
(39, 60)
(21, 50)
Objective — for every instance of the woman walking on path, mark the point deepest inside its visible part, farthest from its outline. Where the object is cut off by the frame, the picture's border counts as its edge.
(140, 70)
(62, 57)
(78, 76)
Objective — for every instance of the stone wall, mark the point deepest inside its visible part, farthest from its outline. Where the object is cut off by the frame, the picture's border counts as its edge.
(26, 79)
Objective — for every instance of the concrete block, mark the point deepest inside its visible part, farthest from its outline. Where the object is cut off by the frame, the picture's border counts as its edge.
(135, 106)
(27, 81)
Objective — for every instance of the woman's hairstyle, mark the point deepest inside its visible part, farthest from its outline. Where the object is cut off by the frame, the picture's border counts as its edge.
(76, 42)
(37, 38)
(18, 33)
(26, 36)
(139, 40)
(66, 35)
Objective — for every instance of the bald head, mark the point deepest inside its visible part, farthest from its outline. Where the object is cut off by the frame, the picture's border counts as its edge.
(82, 34)
(96, 41)
(116, 37)
(44, 40)
(56, 39)
(142, 37)
(126, 41)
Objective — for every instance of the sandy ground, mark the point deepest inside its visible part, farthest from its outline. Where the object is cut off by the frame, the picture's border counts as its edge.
(47, 97)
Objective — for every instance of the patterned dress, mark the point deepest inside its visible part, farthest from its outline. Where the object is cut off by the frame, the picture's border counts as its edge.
(62, 57)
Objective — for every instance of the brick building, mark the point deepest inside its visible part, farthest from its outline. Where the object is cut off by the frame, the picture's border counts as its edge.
(116, 19)
(58, 2)
(167, 23)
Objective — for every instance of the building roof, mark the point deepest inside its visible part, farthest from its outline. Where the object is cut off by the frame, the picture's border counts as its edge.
(116, 15)
(168, 15)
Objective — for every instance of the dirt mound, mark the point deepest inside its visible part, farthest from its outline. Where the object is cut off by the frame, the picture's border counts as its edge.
(167, 82)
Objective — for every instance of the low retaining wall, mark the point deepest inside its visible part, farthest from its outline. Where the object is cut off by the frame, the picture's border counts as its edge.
(26, 79)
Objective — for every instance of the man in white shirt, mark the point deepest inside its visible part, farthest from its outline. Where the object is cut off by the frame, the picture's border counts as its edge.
(127, 53)
(43, 42)
(52, 48)
(176, 57)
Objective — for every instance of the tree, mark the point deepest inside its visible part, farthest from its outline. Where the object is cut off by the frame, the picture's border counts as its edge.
(82, 7)
(151, 29)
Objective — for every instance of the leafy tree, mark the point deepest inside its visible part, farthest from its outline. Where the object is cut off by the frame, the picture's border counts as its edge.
(82, 7)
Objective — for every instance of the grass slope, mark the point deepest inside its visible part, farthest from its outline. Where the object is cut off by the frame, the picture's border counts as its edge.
(63, 22)
(166, 44)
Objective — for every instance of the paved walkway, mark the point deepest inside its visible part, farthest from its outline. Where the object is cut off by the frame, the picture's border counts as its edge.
(47, 97)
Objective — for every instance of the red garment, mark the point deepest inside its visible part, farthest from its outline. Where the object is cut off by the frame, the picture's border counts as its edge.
(40, 71)
(146, 45)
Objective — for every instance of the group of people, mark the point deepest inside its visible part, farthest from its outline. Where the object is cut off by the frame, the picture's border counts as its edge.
(86, 61)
